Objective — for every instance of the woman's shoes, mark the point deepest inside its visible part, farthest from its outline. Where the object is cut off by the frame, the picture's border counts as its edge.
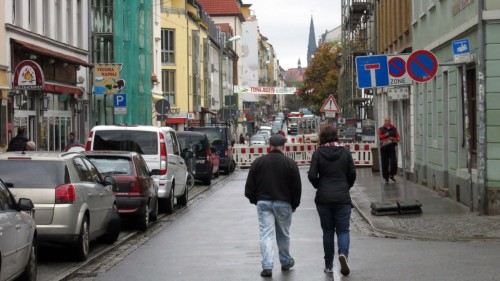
(328, 270)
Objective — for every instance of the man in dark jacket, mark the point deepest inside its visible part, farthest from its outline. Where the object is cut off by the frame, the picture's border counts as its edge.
(332, 173)
(274, 185)
(18, 143)
(389, 138)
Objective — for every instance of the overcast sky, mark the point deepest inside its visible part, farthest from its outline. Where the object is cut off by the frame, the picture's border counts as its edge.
(286, 25)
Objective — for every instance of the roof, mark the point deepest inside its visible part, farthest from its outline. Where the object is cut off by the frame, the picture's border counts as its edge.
(222, 8)
(296, 74)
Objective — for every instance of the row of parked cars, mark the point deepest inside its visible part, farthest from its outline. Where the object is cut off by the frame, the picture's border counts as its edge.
(125, 172)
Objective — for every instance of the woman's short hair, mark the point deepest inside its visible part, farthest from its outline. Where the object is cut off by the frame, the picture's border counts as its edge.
(328, 134)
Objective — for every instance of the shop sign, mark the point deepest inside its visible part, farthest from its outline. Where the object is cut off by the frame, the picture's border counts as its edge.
(28, 76)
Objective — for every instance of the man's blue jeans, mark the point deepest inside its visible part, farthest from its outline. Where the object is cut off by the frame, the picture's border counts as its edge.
(334, 218)
(274, 215)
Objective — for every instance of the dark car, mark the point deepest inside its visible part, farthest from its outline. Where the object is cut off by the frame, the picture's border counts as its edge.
(18, 237)
(219, 136)
(196, 145)
(136, 192)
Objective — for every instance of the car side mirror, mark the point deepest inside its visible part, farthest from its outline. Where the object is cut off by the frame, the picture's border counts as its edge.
(26, 204)
(108, 180)
(155, 172)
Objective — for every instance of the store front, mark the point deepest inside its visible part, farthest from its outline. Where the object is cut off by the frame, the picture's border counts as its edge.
(46, 98)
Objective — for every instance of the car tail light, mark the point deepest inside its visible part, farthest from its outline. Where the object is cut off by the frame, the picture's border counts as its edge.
(226, 153)
(88, 145)
(208, 153)
(135, 188)
(163, 155)
(65, 194)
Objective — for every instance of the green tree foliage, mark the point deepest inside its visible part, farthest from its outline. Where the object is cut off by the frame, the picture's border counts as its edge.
(321, 77)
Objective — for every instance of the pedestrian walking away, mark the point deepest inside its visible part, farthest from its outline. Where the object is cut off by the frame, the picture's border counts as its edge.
(332, 173)
(389, 138)
(18, 143)
(273, 184)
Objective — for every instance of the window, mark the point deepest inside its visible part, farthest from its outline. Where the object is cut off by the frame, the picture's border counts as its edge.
(6, 202)
(81, 169)
(167, 46)
(168, 85)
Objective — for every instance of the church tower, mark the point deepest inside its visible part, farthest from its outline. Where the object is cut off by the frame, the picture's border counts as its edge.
(311, 47)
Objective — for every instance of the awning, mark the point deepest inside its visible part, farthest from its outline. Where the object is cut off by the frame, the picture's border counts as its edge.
(178, 120)
(62, 89)
(54, 54)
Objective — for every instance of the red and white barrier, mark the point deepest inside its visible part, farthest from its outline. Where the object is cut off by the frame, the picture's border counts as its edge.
(300, 152)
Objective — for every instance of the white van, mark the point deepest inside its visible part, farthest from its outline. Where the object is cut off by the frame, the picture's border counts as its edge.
(160, 149)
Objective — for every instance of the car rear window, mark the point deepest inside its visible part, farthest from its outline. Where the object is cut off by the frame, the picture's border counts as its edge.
(34, 173)
(215, 135)
(195, 141)
(142, 142)
(112, 165)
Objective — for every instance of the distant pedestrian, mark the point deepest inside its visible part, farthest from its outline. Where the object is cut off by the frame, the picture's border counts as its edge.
(332, 173)
(273, 184)
(389, 138)
(18, 143)
(71, 141)
(242, 139)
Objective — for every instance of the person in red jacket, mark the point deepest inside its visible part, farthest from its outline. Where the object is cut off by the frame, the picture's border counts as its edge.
(389, 138)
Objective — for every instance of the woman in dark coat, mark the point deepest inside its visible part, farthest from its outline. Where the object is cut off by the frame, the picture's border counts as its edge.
(332, 173)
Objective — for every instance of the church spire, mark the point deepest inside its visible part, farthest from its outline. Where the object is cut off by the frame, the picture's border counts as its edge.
(311, 47)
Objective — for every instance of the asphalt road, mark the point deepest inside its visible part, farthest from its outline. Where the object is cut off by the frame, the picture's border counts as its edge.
(216, 238)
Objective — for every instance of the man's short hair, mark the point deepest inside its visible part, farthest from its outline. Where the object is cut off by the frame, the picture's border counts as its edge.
(277, 140)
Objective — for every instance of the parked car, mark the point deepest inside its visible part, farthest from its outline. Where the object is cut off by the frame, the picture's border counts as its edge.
(136, 191)
(74, 203)
(18, 237)
(258, 139)
(206, 161)
(219, 135)
(266, 133)
(160, 149)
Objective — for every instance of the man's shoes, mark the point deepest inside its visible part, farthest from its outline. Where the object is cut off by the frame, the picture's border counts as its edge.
(386, 180)
(328, 270)
(266, 273)
(392, 178)
(289, 265)
(344, 267)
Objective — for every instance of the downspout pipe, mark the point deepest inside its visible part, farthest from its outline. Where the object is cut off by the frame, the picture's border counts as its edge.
(481, 152)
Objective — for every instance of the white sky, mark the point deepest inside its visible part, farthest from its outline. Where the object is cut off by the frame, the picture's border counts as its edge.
(286, 25)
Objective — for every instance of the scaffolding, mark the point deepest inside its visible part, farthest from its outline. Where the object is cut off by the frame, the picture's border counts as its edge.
(357, 40)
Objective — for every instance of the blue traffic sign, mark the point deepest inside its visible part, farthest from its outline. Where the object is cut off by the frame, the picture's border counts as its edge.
(119, 100)
(422, 65)
(461, 47)
(372, 71)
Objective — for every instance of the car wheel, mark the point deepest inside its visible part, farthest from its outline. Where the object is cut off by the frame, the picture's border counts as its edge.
(153, 216)
(170, 201)
(83, 244)
(30, 270)
(114, 227)
(183, 200)
(232, 166)
(143, 220)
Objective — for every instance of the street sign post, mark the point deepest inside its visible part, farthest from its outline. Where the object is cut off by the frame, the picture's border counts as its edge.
(372, 71)
(422, 65)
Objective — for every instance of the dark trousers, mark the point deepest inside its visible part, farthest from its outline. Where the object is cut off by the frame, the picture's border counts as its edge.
(389, 160)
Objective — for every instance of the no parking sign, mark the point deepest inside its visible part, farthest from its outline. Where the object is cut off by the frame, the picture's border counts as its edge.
(398, 73)
(422, 65)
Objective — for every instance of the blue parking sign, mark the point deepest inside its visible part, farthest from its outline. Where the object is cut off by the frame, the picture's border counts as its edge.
(372, 71)
(119, 100)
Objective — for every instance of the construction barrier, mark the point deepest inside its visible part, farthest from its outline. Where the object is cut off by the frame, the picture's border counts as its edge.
(300, 152)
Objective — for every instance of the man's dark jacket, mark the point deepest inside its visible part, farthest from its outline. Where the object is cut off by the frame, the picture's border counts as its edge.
(17, 143)
(332, 173)
(274, 177)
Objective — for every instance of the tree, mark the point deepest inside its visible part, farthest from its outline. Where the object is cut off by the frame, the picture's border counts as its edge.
(321, 77)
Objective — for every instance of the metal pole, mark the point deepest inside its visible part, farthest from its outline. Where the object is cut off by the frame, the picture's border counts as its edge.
(403, 147)
(221, 94)
(481, 149)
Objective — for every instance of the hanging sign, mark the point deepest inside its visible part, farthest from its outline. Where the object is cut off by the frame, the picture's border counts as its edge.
(28, 76)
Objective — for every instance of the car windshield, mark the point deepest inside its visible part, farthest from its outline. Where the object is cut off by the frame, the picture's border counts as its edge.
(110, 165)
(143, 142)
(258, 137)
(215, 135)
(187, 141)
(34, 173)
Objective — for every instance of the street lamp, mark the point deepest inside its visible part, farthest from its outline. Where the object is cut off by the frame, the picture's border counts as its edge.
(221, 50)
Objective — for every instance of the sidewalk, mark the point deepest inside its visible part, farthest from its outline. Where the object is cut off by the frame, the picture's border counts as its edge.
(442, 218)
